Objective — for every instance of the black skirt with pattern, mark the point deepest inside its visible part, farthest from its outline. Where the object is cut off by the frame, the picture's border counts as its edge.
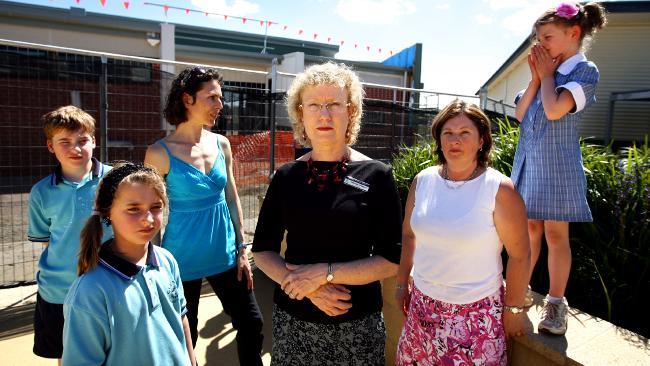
(357, 342)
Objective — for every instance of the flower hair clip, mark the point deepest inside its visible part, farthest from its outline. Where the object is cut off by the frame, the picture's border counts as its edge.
(567, 10)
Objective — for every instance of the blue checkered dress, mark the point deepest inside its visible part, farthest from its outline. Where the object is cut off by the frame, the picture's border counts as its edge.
(547, 170)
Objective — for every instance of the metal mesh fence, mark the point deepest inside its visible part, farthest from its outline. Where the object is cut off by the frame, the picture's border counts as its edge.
(126, 96)
(34, 82)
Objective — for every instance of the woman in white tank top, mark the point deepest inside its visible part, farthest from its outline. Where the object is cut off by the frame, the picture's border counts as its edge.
(459, 216)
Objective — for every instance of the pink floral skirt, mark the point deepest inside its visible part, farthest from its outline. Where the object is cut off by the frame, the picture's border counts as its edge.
(439, 333)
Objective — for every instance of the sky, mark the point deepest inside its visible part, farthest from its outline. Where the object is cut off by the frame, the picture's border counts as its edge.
(464, 42)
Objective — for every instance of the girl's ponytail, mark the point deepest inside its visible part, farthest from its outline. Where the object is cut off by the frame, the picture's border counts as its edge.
(91, 241)
(594, 18)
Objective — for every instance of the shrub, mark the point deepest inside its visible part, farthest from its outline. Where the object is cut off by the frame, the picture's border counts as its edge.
(409, 161)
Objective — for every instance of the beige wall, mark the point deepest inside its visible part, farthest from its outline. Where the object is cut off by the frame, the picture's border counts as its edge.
(384, 79)
(228, 74)
(128, 43)
(621, 53)
(509, 83)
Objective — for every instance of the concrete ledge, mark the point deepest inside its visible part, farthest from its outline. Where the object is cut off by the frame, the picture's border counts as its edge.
(589, 340)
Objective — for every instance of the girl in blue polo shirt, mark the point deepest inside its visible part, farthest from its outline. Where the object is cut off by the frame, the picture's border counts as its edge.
(547, 169)
(127, 307)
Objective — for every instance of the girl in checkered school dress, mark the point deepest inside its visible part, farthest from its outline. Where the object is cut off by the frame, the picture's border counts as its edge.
(547, 170)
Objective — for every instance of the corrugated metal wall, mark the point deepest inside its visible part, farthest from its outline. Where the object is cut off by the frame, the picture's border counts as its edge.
(622, 55)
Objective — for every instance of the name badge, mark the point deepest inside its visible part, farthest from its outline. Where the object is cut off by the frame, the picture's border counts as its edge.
(356, 183)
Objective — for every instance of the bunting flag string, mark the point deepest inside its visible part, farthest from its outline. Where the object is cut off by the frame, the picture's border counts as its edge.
(263, 23)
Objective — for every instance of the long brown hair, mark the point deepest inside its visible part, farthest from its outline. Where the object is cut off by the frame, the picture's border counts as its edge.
(91, 235)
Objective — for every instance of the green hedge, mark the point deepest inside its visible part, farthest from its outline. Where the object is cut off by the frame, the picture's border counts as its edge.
(610, 275)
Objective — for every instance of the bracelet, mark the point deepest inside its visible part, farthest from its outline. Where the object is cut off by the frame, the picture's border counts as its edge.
(401, 287)
(242, 246)
(513, 309)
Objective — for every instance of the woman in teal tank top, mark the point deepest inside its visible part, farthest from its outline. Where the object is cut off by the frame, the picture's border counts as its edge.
(205, 231)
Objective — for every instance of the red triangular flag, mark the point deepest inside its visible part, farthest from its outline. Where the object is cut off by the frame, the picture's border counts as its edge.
(243, 20)
(285, 27)
(329, 39)
(300, 32)
(206, 13)
(380, 50)
(126, 5)
(269, 22)
(342, 43)
(187, 11)
(391, 52)
(261, 23)
(78, 1)
(315, 35)
(225, 17)
(368, 48)
(165, 8)
(355, 45)
(103, 2)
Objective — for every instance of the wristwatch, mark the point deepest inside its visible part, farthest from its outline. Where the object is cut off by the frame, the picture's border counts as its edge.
(513, 309)
(330, 274)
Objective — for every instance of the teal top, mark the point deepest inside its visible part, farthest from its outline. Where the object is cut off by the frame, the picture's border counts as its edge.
(58, 210)
(199, 233)
(120, 313)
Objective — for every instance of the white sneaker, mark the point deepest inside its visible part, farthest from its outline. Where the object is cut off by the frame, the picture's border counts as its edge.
(554, 318)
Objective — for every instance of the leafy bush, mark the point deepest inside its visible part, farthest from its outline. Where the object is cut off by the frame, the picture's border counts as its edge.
(410, 161)
(613, 252)
(611, 256)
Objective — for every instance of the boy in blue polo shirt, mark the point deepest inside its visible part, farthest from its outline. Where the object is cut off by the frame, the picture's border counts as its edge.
(59, 206)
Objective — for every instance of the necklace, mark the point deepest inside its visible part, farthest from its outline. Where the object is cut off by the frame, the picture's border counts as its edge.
(323, 176)
(446, 179)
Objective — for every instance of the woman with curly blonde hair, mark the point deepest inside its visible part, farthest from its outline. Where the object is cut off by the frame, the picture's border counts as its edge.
(342, 217)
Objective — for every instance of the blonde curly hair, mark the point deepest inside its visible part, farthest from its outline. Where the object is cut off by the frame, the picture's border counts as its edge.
(329, 73)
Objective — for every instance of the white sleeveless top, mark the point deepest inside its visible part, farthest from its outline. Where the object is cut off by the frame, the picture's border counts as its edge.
(458, 252)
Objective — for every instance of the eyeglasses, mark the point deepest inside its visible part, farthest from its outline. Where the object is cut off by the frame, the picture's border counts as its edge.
(331, 107)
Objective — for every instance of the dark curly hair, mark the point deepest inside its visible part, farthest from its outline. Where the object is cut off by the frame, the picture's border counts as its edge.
(188, 81)
(482, 122)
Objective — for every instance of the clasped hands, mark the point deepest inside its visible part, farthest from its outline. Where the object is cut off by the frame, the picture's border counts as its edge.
(541, 63)
(309, 280)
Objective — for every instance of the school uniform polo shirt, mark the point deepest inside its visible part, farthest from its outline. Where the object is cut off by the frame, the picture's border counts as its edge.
(123, 314)
(58, 210)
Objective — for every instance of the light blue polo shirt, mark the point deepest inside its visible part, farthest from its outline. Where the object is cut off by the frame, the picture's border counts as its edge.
(123, 314)
(58, 210)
